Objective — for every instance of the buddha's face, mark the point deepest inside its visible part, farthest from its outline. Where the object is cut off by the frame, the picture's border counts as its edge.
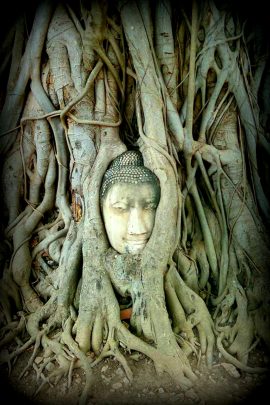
(129, 215)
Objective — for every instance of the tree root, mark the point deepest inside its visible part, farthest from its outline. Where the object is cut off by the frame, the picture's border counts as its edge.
(39, 370)
(180, 325)
(235, 362)
(197, 313)
(111, 349)
(15, 329)
(187, 346)
(177, 365)
(6, 357)
(84, 360)
(46, 242)
(243, 331)
(45, 380)
(32, 358)
(9, 291)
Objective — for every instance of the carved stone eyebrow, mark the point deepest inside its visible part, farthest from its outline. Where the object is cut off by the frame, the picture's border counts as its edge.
(122, 202)
(150, 200)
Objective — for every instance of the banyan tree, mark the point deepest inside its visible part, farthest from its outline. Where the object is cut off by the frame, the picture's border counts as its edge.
(187, 85)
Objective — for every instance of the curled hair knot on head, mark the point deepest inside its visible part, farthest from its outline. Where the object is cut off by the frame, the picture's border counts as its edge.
(128, 168)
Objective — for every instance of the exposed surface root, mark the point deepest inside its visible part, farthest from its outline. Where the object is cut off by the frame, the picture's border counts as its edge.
(176, 366)
(111, 348)
(236, 362)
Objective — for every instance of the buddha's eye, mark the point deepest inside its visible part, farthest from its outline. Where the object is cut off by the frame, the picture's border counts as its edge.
(120, 208)
(150, 206)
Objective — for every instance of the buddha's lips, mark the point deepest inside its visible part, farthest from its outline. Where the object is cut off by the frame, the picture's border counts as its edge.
(137, 241)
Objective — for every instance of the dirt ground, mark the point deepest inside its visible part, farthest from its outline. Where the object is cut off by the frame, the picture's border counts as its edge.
(222, 384)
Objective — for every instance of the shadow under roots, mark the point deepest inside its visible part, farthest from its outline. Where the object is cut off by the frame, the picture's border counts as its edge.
(8, 392)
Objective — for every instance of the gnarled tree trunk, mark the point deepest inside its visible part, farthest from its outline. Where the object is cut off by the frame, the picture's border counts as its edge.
(180, 85)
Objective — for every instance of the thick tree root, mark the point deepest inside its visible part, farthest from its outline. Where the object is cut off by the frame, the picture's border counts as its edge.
(197, 314)
(177, 365)
(84, 360)
(235, 362)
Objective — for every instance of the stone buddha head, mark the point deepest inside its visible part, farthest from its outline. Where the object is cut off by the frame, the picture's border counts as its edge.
(129, 196)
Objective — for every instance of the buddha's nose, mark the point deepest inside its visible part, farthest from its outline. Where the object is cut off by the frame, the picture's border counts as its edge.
(136, 223)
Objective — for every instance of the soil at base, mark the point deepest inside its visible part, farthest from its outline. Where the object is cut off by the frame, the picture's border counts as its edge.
(221, 384)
